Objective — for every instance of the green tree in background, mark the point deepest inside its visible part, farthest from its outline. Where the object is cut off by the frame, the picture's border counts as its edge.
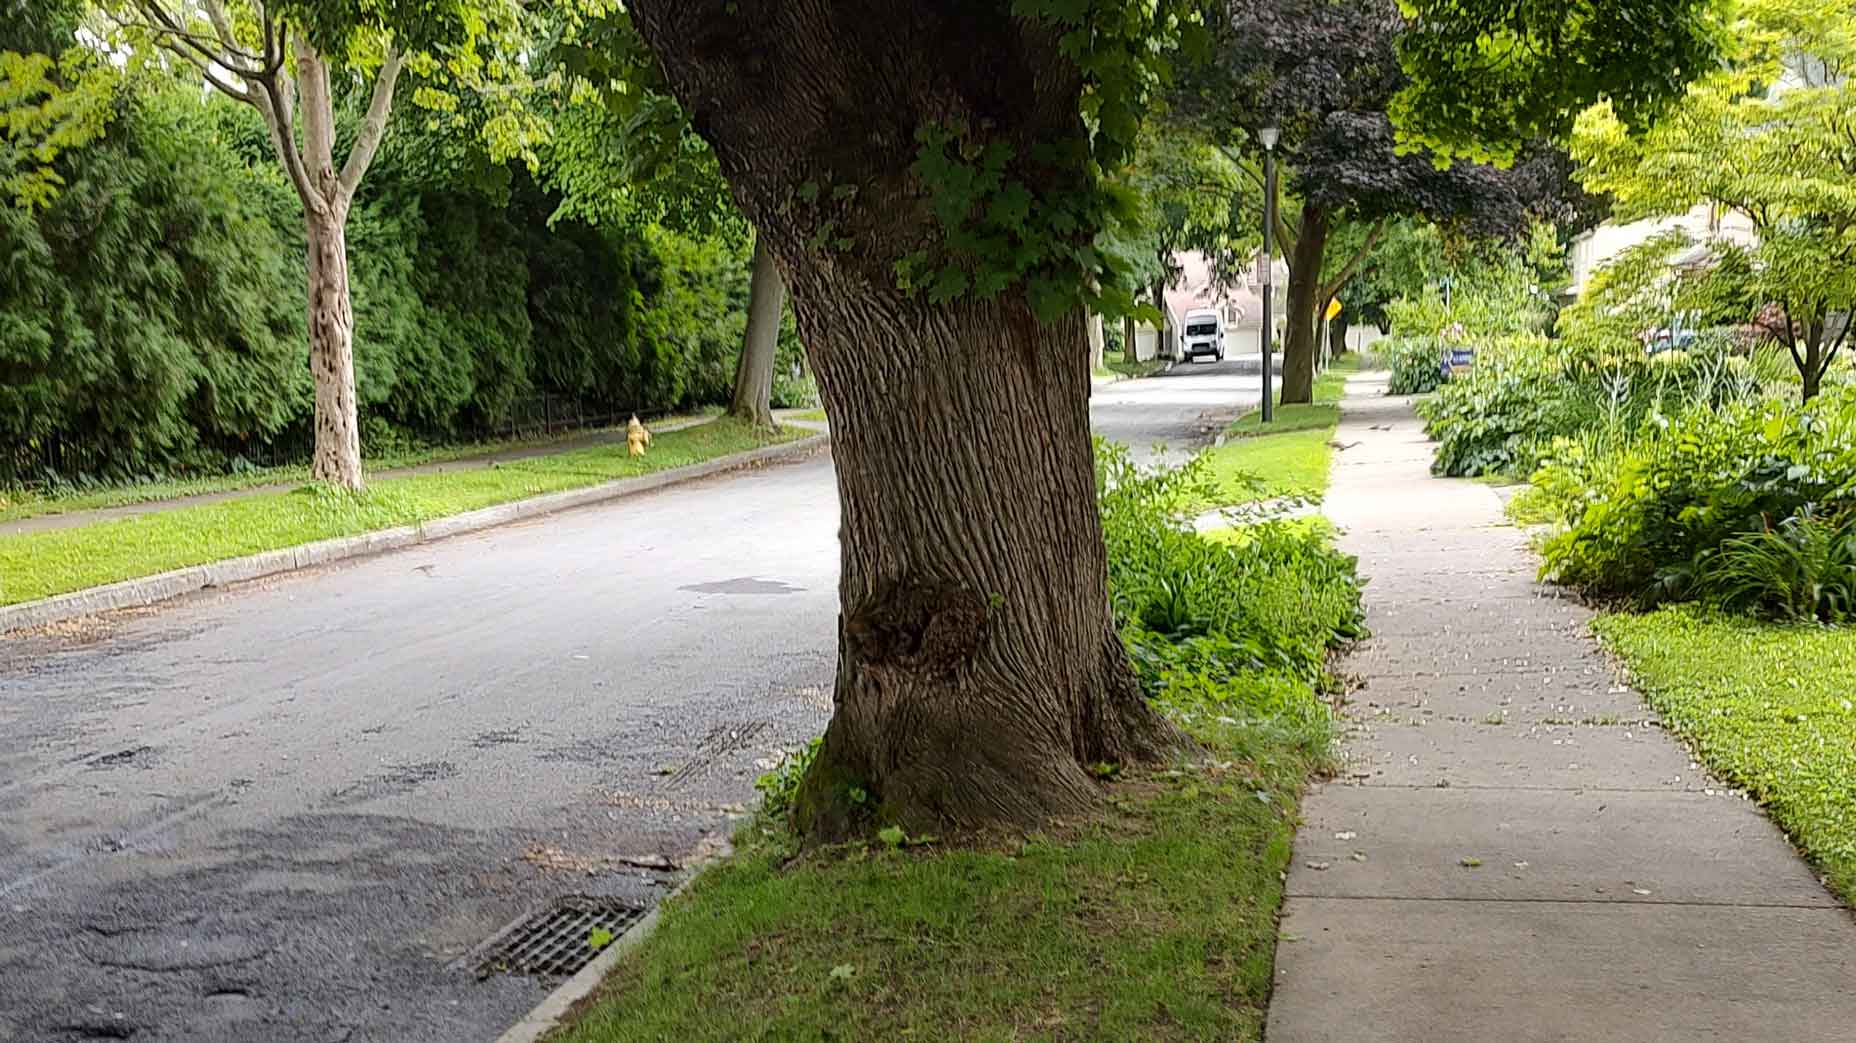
(1485, 78)
(1771, 139)
(290, 60)
(628, 153)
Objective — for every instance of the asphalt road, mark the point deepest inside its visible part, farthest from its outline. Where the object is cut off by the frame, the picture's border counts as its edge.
(1167, 417)
(286, 811)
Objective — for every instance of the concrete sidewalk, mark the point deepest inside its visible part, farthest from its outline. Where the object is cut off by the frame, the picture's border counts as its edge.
(1513, 849)
(583, 440)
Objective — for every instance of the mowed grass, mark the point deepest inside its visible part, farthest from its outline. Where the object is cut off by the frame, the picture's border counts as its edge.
(1771, 709)
(37, 565)
(1288, 457)
(18, 504)
(1116, 363)
(1154, 921)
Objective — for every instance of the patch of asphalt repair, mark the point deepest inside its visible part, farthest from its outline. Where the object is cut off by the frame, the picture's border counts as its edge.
(600, 710)
(283, 810)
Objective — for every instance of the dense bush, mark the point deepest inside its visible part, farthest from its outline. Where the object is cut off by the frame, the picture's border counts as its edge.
(1525, 392)
(1801, 570)
(152, 316)
(1416, 363)
(1242, 629)
(1679, 511)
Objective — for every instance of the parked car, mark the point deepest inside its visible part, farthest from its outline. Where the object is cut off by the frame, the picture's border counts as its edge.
(1204, 335)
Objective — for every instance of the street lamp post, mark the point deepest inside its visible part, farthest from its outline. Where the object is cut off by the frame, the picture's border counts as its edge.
(1267, 137)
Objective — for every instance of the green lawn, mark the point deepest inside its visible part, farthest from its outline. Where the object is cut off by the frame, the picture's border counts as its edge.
(1771, 709)
(17, 504)
(1290, 456)
(1155, 921)
(38, 565)
(1116, 364)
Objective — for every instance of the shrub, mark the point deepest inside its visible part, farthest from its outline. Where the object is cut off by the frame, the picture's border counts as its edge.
(1527, 391)
(1416, 364)
(1243, 628)
(1801, 570)
(1646, 520)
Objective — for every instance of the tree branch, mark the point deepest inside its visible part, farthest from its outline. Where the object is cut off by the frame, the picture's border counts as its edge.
(374, 124)
(172, 31)
(279, 111)
(1333, 286)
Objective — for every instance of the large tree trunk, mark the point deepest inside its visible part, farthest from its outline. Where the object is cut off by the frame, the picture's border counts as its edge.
(337, 458)
(753, 399)
(1130, 344)
(1302, 307)
(979, 672)
(1337, 335)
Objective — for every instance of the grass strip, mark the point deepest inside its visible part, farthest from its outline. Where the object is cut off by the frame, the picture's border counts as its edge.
(1769, 708)
(43, 564)
(1288, 457)
(19, 504)
(1155, 920)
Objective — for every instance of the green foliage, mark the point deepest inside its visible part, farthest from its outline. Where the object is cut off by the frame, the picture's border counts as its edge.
(1492, 296)
(152, 305)
(152, 312)
(1488, 77)
(1237, 630)
(778, 787)
(1416, 363)
(47, 107)
(1646, 520)
(1045, 217)
(1768, 708)
(1766, 139)
(1524, 392)
(1802, 570)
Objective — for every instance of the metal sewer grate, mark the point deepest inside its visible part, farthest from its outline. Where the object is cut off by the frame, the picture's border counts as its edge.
(554, 942)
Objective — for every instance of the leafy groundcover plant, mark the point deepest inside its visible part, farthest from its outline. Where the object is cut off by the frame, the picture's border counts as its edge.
(1170, 891)
(1707, 501)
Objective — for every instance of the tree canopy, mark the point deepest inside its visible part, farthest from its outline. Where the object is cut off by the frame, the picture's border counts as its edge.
(1487, 77)
(1772, 140)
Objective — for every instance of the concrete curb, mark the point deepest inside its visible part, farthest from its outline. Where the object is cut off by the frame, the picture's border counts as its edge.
(147, 590)
(551, 1012)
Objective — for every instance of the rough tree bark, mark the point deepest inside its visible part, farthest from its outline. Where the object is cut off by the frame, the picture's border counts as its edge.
(979, 672)
(753, 398)
(1301, 306)
(1308, 295)
(1163, 326)
(1337, 335)
(337, 457)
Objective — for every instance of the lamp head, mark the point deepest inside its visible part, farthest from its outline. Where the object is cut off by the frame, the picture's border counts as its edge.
(1268, 137)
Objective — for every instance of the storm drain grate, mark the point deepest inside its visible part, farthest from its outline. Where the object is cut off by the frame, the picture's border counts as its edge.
(559, 940)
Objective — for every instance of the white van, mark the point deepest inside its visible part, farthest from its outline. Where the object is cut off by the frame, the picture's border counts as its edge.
(1203, 334)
